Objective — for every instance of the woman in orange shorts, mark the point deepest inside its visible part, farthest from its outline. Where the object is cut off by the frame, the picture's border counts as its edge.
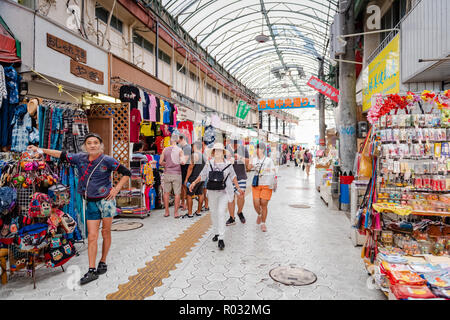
(265, 170)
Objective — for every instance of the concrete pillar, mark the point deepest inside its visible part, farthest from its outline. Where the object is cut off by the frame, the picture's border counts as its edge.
(347, 97)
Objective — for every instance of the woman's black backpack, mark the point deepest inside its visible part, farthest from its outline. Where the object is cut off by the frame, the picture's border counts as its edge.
(216, 180)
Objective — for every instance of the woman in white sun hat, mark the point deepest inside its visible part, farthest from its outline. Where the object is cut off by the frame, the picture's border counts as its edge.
(220, 190)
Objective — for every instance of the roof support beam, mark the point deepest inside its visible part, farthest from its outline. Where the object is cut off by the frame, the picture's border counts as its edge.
(272, 35)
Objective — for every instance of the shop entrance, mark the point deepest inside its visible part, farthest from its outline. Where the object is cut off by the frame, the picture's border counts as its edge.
(103, 126)
(111, 121)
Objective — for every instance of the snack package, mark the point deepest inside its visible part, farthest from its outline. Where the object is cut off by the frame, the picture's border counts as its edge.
(406, 291)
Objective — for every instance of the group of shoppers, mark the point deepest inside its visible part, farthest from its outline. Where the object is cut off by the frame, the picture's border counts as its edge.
(304, 159)
(216, 176)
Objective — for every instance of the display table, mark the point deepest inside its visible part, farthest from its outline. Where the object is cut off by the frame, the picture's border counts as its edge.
(319, 177)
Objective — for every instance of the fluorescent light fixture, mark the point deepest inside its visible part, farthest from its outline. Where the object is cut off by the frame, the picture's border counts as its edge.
(106, 98)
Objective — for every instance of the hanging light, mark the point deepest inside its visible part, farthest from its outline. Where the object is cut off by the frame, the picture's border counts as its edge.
(262, 38)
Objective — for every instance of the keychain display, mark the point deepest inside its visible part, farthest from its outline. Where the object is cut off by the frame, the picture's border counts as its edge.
(410, 203)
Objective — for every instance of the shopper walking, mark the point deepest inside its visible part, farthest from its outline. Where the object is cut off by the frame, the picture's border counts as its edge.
(207, 155)
(240, 159)
(308, 161)
(262, 184)
(95, 186)
(297, 156)
(172, 158)
(196, 166)
(301, 158)
(187, 150)
(221, 177)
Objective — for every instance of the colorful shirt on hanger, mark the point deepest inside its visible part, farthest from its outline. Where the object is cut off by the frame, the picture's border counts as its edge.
(165, 130)
(12, 83)
(157, 110)
(135, 121)
(130, 94)
(21, 130)
(3, 91)
(147, 128)
(186, 128)
(141, 102)
(159, 144)
(146, 113)
(152, 108)
(161, 111)
(166, 142)
(158, 131)
(175, 113)
(167, 112)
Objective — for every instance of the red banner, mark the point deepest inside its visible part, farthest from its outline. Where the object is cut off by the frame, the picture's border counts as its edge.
(324, 88)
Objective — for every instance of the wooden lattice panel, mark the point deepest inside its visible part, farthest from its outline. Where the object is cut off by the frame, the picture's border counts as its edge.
(120, 112)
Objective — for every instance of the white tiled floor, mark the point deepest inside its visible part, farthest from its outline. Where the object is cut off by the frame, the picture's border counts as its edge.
(315, 238)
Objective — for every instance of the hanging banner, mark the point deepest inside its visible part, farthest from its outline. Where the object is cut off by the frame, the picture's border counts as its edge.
(383, 74)
(324, 88)
(287, 103)
(242, 110)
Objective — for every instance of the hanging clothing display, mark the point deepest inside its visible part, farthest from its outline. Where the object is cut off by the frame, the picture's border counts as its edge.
(130, 94)
(9, 103)
(3, 91)
(146, 111)
(135, 121)
(22, 133)
(186, 128)
(62, 126)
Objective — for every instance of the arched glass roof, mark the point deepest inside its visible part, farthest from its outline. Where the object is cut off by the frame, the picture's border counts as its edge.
(297, 32)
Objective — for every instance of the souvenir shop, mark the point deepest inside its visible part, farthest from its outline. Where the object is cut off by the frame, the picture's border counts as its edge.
(41, 214)
(404, 212)
(153, 120)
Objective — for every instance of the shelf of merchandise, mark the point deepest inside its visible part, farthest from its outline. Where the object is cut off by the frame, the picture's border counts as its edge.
(135, 178)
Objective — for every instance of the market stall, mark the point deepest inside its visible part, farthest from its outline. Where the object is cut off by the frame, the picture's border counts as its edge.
(405, 210)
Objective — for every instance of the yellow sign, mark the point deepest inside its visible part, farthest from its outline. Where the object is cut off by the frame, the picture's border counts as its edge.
(383, 74)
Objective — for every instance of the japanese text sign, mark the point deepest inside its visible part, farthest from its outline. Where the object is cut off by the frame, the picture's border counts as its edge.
(85, 72)
(324, 88)
(66, 48)
(242, 110)
(287, 103)
(383, 74)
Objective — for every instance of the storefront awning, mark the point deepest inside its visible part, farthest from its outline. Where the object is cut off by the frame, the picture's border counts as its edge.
(9, 45)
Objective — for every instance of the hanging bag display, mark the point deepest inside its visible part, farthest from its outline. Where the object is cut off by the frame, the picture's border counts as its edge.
(255, 181)
(32, 237)
(59, 252)
(216, 180)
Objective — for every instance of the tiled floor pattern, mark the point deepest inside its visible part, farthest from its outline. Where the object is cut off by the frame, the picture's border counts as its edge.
(192, 267)
(142, 285)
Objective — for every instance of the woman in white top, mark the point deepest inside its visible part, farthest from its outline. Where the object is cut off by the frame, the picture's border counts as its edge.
(218, 199)
(262, 193)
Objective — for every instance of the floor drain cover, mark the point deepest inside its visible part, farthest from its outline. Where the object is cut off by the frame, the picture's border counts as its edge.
(300, 206)
(126, 226)
(294, 276)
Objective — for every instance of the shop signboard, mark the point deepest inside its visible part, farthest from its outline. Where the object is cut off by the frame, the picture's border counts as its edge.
(324, 88)
(383, 73)
(85, 72)
(242, 110)
(287, 103)
(185, 113)
(64, 47)
(68, 58)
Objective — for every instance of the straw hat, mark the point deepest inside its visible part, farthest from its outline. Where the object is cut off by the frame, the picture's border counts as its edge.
(218, 146)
